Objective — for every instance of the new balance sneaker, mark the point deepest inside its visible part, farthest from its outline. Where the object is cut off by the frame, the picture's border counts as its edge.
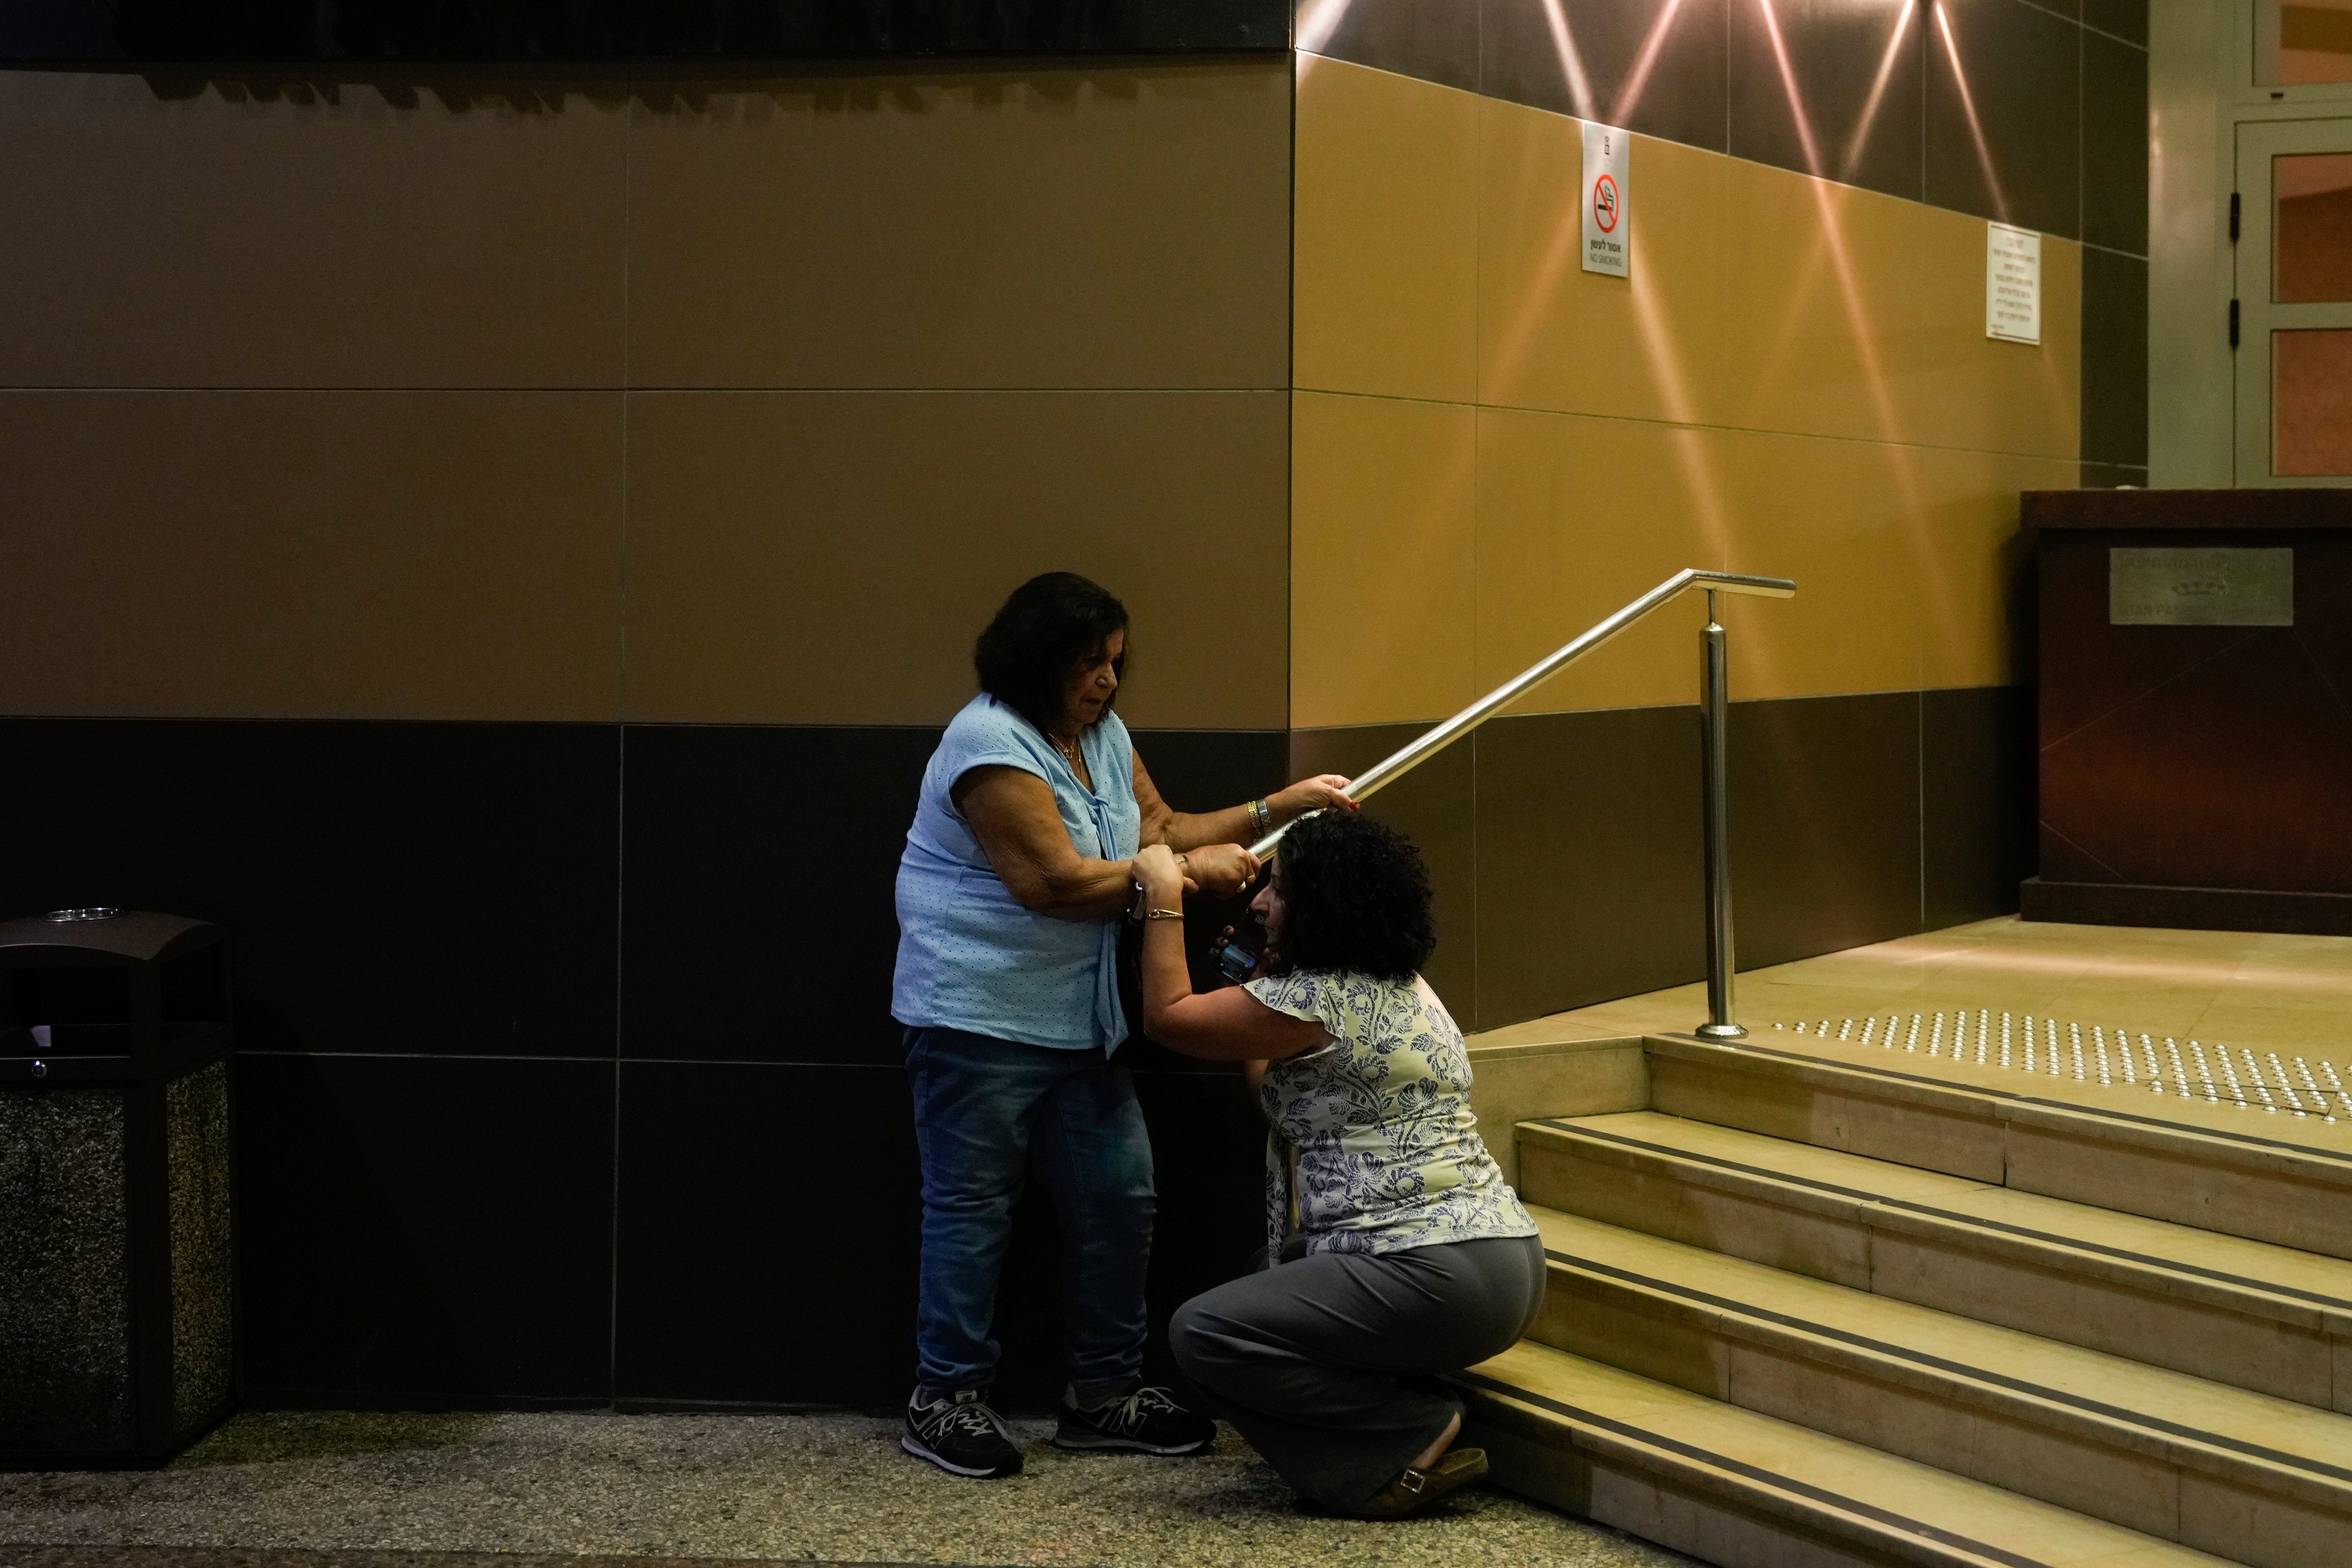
(1147, 1421)
(959, 1433)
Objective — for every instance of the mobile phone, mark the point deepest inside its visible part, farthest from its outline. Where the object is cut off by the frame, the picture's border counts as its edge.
(1236, 958)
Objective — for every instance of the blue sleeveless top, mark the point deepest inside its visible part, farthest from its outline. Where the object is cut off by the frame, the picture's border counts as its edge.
(970, 956)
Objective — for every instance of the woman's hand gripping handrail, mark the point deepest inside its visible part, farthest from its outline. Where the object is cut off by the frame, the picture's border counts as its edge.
(1403, 761)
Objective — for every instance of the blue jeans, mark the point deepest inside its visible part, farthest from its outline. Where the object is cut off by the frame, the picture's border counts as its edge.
(986, 1111)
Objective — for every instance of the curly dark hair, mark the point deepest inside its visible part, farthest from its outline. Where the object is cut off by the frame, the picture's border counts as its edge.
(1050, 625)
(1355, 898)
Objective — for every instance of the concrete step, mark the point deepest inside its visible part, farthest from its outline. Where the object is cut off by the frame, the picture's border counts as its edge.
(2260, 1316)
(2277, 1179)
(2242, 1475)
(1747, 1490)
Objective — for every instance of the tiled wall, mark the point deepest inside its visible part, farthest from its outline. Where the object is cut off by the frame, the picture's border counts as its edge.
(1492, 449)
(2035, 114)
(504, 549)
(502, 541)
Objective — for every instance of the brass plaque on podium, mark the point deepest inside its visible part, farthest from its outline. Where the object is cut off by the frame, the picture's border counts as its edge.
(2209, 587)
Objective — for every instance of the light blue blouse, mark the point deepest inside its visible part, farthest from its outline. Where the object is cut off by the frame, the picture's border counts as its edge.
(970, 956)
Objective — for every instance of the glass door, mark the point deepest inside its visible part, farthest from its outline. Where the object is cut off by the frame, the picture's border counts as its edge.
(2294, 302)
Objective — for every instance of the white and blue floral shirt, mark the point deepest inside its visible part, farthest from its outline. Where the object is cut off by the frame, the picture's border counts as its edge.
(1389, 1155)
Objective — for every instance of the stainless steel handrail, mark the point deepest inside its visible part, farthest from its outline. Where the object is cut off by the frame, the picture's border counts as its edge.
(1715, 694)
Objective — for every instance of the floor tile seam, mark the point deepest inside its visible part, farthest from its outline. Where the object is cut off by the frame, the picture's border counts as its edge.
(1966, 1222)
(2003, 1099)
(1650, 1439)
(2171, 1442)
(1726, 429)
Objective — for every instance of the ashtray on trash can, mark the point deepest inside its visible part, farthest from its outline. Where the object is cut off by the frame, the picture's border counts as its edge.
(115, 1241)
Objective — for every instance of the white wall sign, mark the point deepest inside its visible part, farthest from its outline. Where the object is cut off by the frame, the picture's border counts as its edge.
(2013, 284)
(1608, 238)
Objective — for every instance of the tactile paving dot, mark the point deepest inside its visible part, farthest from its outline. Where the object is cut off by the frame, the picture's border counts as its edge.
(2080, 1052)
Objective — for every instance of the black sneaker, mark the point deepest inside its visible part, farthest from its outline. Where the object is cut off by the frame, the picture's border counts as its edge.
(959, 1433)
(1147, 1421)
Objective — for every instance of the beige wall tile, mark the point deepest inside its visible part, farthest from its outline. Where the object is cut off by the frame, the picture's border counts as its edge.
(1386, 251)
(1381, 520)
(827, 557)
(1553, 336)
(311, 555)
(1084, 226)
(1835, 516)
(1576, 517)
(1846, 312)
(1968, 390)
(1974, 563)
(1824, 321)
(389, 237)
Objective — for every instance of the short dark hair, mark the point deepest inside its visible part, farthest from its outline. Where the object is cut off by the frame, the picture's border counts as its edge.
(1355, 899)
(1049, 625)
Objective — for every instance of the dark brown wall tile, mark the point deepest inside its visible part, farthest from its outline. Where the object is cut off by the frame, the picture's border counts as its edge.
(418, 1233)
(2123, 18)
(2115, 144)
(1436, 40)
(706, 1307)
(1825, 818)
(1652, 65)
(447, 888)
(2115, 357)
(1830, 87)
(1975, 801)
(2003, 93)
(1588, 869)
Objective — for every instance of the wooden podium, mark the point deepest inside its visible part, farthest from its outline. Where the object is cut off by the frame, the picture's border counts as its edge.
(2196, 708)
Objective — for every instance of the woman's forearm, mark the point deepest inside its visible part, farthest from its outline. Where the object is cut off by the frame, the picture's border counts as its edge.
(1166, 980)
(1197, 829)
(1086, 890)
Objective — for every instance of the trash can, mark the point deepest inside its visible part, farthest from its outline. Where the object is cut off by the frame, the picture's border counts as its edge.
(116, 1296)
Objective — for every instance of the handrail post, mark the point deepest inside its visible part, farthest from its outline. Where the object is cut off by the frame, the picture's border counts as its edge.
(1715, 703)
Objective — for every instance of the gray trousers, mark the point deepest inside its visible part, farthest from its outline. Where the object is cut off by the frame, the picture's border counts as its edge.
(1329, 1365)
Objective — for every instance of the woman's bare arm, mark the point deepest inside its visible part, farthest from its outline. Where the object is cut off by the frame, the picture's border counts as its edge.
(1229, 1025)
(1012, 815)
(1180, 831)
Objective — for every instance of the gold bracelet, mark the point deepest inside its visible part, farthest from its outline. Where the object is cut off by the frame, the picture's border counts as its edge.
(1164, 914)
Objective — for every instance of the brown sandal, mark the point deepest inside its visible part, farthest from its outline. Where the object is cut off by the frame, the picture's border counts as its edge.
(1415, 1489)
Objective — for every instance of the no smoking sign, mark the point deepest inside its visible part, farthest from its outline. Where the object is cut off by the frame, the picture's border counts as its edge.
(1607, 241)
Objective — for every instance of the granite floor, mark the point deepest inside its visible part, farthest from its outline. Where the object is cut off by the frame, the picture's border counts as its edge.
(313, 1489)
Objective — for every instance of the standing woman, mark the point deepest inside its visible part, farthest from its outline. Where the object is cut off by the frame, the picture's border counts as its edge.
(1017, 873)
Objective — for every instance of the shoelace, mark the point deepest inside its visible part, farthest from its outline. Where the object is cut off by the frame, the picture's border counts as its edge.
(1129, 1413)
(971, 1419)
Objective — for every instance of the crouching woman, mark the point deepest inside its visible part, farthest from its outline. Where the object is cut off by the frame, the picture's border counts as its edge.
(1396, 1251)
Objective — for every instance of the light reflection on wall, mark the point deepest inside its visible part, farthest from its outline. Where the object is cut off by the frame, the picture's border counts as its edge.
(1969, 109)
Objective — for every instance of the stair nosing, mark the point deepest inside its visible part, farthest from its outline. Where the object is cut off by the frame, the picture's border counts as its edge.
(2339, 1164)
(2172, 1439)
(1821, 1496)
(2335, 1312)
